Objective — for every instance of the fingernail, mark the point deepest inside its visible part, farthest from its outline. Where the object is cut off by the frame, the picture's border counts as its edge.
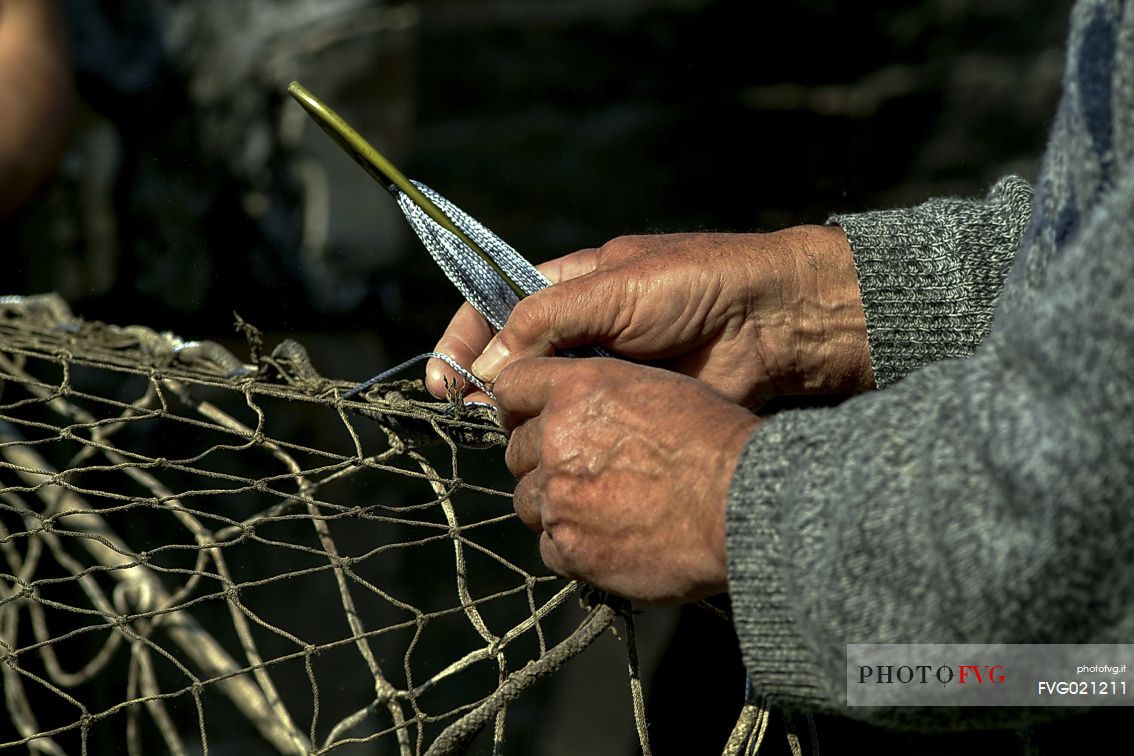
(487, 366)
(435, 377)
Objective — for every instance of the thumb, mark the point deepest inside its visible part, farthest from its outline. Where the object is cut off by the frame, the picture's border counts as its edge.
(576, 312)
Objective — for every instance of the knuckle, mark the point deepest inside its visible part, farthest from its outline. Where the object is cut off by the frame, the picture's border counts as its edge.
(518, 457)
(549, 552)
(551, 453)
(582, 385)
(557, 549)
(565, 434)
(511, 456)
(561, 491)
(530, 317)
(551, 445)
(526, 504)
(620, 248)
(591, 373)
(511, 373)
(570, 557)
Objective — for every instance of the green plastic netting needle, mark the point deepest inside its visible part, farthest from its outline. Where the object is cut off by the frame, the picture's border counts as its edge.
(384, 172)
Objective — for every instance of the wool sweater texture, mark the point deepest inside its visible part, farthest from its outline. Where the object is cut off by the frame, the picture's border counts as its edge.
(984, 493)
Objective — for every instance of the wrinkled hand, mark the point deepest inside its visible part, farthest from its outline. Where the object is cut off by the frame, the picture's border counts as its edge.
(624, 471)
(751, 315)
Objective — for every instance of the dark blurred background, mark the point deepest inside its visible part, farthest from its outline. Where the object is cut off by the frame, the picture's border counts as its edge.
(192, 187)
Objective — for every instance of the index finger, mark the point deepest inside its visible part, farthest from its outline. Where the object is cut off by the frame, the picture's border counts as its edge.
(468, 333)
(525, 387)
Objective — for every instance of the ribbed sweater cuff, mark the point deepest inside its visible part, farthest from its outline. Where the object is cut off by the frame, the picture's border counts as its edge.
(930, 275)
(778, 662)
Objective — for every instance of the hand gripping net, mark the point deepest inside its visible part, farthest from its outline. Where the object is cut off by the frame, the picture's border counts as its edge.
(494, 299)
(192, 547)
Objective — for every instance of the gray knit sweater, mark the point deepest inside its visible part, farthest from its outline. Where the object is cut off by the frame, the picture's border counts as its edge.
(984, 494)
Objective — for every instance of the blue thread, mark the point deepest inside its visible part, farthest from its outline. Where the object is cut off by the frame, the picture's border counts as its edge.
(388, 374)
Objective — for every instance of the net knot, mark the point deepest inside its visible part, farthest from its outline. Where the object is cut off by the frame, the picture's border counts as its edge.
(152, 582)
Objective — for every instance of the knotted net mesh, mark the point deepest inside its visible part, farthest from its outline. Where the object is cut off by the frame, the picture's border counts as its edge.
(197, 549)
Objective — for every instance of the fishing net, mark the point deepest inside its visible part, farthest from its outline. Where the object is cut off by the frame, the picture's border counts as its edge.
(193, 546)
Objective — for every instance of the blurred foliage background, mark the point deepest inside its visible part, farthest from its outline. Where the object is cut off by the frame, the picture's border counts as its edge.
(193, 187)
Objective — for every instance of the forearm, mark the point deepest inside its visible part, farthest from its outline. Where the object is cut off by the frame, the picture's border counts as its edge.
(979, 500)
(930, 276)
(35, 96)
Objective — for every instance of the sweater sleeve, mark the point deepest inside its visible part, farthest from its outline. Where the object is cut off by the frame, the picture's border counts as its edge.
(980, 500)
(930, 275)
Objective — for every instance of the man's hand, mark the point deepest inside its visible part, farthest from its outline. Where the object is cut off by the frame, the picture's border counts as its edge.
(624, 471)
(751, 315)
